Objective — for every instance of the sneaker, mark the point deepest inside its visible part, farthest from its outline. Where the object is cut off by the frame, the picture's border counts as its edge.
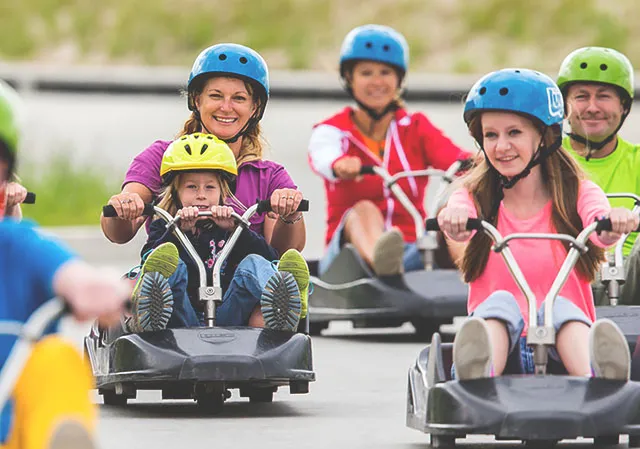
(280, 302)
(472, 350)
(70, 434)
(609, 351)
(152, 299)
(388, 254)
(293, 262)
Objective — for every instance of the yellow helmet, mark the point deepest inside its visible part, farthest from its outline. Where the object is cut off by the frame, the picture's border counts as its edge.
(198, 151)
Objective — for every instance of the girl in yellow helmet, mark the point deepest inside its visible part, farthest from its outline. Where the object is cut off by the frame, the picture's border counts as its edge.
(198, 170)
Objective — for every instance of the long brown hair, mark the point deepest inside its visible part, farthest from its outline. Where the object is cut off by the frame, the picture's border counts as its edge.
(252, 148)
(562, 177)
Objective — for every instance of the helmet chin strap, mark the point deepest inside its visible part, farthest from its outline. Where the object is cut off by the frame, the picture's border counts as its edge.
(542, 152)
(375, 116)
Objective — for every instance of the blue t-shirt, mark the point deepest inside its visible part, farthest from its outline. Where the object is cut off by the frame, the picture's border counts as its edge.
(28, 263)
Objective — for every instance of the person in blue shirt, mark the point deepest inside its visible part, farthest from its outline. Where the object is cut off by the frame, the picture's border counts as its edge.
(50, 406)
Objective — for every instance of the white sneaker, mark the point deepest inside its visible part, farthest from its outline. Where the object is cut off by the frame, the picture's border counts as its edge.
(71, 434)
(609, 351)
(472, 350)
(388, 254)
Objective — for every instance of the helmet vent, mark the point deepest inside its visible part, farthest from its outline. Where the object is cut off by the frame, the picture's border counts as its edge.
(243, 60)
(204, 148)
(517, 71)
(603, 67)
(504, 91)
(222, 57)
(483, 90)
(368, 45)
(583, 65)
(187, 148)
(385, 47)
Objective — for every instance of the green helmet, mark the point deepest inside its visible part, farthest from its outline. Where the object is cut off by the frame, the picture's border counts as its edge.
(10, 108)
(598, 65)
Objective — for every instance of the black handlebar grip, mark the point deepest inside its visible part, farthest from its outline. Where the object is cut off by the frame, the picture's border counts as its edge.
(30, 198)
(110, 211)
(265, 206)
(604, 224)
(473, 224)
(367, 170)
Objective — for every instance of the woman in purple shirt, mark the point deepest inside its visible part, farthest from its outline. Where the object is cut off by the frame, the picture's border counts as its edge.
(227, 94)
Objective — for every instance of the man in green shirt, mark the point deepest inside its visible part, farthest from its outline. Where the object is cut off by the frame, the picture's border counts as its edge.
(598, 87)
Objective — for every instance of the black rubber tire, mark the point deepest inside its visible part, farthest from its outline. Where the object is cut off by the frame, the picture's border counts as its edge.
(261, 395)
(443, 441)
(606, 440)
(541, 444)
(317, 327)
(211, 403)
(111, 398)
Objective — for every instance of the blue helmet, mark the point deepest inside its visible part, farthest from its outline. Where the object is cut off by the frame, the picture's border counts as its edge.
(233, 60)
(522, 91)
(377, 43)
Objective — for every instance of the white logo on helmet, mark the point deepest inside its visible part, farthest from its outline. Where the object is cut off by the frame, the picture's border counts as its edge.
(555, 102)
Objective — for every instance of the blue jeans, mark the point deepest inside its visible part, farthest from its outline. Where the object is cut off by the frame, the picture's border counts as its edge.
(238, 302)
(412, 259)
(501, 305)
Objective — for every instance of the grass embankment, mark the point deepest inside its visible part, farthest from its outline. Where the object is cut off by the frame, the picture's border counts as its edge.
(66, 195)
(444, 35)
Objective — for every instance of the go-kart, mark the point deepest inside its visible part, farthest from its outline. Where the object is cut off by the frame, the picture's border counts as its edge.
(350, 290)
(201, 363)
(613, 276)
(539, 409)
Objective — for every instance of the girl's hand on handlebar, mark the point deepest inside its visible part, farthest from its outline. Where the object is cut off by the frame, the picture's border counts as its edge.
(188, 217)
(623, 221)
(15, 194)
(347, 167)
(221, 216)
(453, 221)
(128, 205)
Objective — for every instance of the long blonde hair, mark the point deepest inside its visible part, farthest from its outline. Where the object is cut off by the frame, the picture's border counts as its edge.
(170, 195)
(561, 175)
(253, 144)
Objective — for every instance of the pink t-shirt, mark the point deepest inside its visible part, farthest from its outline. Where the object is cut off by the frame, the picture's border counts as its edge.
(539, 260)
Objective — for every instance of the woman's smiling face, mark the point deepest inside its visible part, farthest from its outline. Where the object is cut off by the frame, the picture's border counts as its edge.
(225, 105)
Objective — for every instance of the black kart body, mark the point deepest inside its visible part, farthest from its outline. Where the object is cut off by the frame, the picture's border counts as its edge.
(533, 408)
(349, 290)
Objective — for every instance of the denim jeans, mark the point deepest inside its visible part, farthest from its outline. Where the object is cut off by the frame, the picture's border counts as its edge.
(411, 261)
(238, 302)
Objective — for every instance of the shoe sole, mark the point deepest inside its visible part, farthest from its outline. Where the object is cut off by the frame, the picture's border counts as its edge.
(71, 435)
(609, 351)
(280, 302)
(152, 303)
(388, 254)
(297, 266)
(472, 350)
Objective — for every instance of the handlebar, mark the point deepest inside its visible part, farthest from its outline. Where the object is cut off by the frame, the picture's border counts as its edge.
(30, 198)
(210, 295)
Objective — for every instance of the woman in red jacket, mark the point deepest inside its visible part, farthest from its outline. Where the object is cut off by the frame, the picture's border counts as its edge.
(380, 131)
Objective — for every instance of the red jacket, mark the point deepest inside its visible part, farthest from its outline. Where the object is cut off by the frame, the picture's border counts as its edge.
(412, 143)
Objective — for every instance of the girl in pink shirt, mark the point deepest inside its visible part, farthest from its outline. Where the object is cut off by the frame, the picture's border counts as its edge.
(526, 183)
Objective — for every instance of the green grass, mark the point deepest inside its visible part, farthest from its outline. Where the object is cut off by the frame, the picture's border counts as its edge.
(445, 35)
(66, 195)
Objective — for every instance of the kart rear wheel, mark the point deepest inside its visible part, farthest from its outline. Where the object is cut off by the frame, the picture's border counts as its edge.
(541, 444)
(425, 328)
(607, 440)
(443, 441)
(317, 327)
(261, 395)
(110, 397)
(212, 403)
